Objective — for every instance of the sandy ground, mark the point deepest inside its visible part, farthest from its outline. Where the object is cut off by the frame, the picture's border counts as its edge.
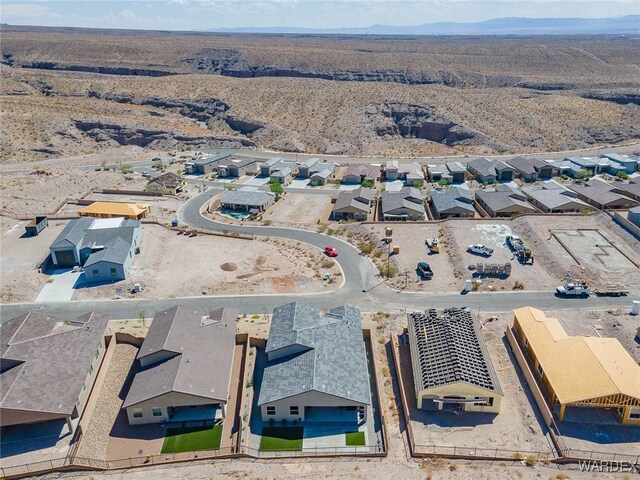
(34, 192)
(20, 257)
(298, 208)
(514, 428)
(261, 267)
(555, 259)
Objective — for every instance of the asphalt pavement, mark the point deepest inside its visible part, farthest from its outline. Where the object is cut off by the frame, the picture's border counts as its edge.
(362, 287)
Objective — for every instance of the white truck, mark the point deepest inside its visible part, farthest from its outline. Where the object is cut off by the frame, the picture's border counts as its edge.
(480, 249)
(573, 289)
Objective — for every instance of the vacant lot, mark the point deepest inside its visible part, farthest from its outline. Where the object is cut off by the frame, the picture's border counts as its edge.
(586, 429)
(300, 209)
(599, 265)
(20, 257)
(516, 428)
(172, 265)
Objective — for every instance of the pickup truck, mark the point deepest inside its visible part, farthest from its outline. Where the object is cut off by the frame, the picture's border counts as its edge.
(571, 289)
(424, 270)
(480, 249)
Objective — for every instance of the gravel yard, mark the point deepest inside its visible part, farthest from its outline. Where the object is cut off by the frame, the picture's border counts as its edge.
(20, 257)
(96, 438)
(172, 265)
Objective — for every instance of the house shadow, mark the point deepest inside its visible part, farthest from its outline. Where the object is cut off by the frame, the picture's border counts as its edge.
(20, 439)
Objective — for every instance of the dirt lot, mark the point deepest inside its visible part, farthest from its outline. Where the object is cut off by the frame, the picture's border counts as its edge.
(550, 254)
(516, 427)
(20, 257)
(585, 429)
(450, 266)
(298, 208)
(259, 267)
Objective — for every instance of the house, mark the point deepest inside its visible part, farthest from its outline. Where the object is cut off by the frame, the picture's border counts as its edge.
(490, 171)
(282, 176)
(206, 164)
(628, 162)
(252, 201)
(531, 169)
(270, 166)
(405, 204)
(359, 173)
(185, 365)
(413, 174)
(132, 211)
(580, 371)
(353, 204)
(439, 172)
(503, 202)
(634, 216)
(551, 197)
(593, 164)
(452, 202)
(49, 366)
(316, 366)
(391, 170)
(630, 189)
(321, 176)
(306, 168)
(103, 247)
(457, 171)
(237, 167)
(565, 167)
(451, 366)
(601, 195)
(166, 184)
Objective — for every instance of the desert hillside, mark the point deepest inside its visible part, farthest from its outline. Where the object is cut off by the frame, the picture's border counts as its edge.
(74, 91)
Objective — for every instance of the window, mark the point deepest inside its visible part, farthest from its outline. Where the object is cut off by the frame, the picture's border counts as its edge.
(294, 410)
(271, 410)
(490, 401)
(156, 411)
(97, 353)
(540, 370)
(137, 413)
(96, 273)
(90, 369)
(526, 343)
(113, 272)
(634, 415)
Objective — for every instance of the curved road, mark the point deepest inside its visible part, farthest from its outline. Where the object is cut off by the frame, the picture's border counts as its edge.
(361, 288)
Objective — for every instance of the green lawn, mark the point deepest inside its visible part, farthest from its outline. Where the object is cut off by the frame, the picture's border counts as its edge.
(192, 439)
(354, 439)
(281, 438)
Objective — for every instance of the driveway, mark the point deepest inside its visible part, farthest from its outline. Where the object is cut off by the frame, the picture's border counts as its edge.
(299, 183)
(59, 288)
(393, 186)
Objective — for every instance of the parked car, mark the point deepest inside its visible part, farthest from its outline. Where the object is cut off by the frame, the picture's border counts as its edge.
(332, 252)
(480, 249)
(424, 270)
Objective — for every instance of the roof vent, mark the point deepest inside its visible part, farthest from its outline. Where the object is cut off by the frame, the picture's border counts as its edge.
(212, 390)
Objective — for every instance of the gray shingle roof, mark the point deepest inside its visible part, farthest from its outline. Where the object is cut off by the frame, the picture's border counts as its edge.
(202, 355)
(451, 198)
(246, 197)
(456, 167)
(408, 197)
(116, 242)
(51, 359)
(502, 200)
(310, 162)
(272, 161)
(313, 352)
(599, 192)
(523, 165)
(448, 348)
(360, 198)
(214, 159)
(553, 196)
(361, 170)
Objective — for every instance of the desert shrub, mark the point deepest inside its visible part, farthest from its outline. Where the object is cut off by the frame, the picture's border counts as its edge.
(326, 263)
(388, 271)
(367, 247)
(531, 460)
(518, 285)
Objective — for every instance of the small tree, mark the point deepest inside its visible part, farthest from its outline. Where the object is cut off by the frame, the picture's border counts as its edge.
(418, 183)
(622, 175)
(141, 316)
(583, 174)
(276, 188)
(367, 183)
(442, 182)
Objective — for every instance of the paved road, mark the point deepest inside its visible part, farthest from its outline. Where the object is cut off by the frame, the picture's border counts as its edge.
(362, 287)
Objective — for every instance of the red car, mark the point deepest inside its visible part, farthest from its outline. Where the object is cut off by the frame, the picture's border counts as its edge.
(332, 252)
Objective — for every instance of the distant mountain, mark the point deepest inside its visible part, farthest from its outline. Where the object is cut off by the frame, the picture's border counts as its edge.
(629, 24)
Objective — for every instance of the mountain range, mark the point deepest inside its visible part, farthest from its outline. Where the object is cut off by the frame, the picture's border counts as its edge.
(626, 25)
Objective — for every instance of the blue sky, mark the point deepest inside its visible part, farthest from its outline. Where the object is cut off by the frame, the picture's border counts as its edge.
(203, 14)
